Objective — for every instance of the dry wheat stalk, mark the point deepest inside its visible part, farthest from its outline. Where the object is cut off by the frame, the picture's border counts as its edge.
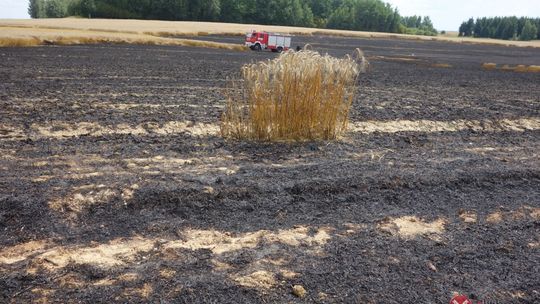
(297, 96)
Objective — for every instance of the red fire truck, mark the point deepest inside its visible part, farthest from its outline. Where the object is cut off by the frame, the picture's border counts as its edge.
(259, 41)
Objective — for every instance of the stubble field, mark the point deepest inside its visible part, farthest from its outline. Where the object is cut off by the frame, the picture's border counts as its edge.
(115, 185)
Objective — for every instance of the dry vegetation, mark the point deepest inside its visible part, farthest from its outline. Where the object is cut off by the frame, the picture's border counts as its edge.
(489, 66)
(297, 96)
(518, 68)
(25, 36)
(188, 28)
(441, 65)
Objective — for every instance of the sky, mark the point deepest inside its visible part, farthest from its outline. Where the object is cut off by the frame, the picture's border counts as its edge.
(449, 14)
(445, 14)
(17, 9)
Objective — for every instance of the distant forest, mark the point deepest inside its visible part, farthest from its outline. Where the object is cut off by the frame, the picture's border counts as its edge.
(508, 28)
(361, 15)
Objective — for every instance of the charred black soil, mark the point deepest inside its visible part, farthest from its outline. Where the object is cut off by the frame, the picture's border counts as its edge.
(115, 185)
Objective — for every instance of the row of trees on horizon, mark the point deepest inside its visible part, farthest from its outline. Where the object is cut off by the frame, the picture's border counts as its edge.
(508, 28)
(361, 15)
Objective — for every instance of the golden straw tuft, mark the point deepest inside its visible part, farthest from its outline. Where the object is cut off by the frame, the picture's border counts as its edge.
(489, 66)
(442, 65)
(533, 69)
(521, 68)
(297, 96)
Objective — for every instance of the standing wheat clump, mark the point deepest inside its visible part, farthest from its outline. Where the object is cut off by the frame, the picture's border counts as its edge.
(297, 96)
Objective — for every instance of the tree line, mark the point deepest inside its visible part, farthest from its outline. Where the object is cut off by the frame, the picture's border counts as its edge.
(508, 28)
(361, 15)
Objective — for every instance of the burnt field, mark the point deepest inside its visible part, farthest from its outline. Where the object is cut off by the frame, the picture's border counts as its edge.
(115, 185)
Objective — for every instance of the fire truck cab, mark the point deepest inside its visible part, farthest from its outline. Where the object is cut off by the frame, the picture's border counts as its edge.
(275, 42)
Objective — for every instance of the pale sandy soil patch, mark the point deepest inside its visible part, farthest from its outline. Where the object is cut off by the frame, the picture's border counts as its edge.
(393, 126)
(59, 129)
(411, 226)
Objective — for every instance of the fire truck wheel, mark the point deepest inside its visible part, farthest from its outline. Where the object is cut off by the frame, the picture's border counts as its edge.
(279, 49)
(258, 48)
